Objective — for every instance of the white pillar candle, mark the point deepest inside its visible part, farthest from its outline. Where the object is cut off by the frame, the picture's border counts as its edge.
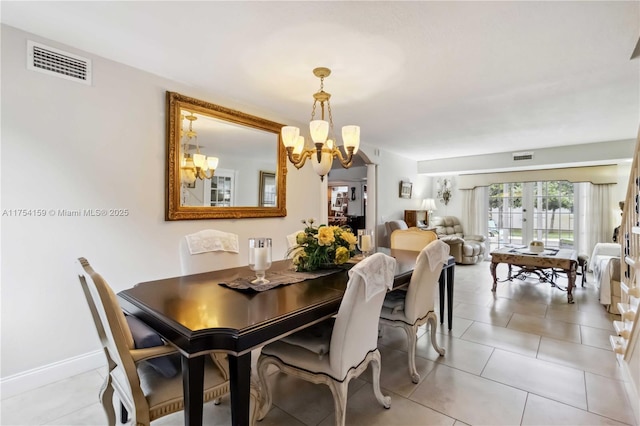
(260, 258)
(365, 242)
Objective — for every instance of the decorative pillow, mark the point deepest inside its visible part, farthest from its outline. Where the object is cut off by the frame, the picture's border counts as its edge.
(145, 337)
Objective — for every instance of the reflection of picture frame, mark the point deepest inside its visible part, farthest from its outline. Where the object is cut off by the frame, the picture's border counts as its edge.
(405, 189)
(267, 189)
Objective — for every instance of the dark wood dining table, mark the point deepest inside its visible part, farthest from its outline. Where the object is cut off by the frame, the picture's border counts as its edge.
(198, 316)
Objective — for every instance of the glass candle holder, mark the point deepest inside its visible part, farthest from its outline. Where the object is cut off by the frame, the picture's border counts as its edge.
(365, 241)
(260, 258)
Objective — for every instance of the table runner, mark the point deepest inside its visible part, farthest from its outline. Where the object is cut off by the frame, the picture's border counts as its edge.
(276, 279)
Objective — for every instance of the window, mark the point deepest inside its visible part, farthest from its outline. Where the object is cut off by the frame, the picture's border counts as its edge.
(521, 212)
(221, 189)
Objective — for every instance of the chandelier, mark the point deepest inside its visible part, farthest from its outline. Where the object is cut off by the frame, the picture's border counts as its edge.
(322, 135)
(194, 166)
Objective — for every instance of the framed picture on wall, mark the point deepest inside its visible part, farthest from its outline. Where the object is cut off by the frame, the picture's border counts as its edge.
(405, 189)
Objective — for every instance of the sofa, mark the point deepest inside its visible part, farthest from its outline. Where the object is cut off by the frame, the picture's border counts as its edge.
(466, 249)
(605, 265)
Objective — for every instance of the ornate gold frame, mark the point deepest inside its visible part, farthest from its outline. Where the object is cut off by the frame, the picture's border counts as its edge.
(174, 211)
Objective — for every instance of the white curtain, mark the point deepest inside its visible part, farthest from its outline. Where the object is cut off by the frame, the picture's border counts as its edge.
(595, 219)
(475, 210)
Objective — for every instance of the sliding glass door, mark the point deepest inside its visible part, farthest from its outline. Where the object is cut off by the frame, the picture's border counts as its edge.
(524, 211)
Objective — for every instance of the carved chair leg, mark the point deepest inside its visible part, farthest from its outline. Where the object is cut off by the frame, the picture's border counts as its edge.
(432, 320)
(411, 351)
(264, 403)
(385, 401)
(106, 398)
(339, 391)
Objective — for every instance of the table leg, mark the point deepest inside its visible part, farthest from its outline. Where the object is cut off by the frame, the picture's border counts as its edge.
(493, 273)
(442, 281)
(450, 274)
(240, 384)
(193, 387)
(571, 274)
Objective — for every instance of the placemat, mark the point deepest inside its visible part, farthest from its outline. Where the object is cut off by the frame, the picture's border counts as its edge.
(276, 279)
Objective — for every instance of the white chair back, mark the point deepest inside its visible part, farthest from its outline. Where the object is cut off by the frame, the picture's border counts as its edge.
(205, 262)
(420, 297)
(355, 332)
(411, 239)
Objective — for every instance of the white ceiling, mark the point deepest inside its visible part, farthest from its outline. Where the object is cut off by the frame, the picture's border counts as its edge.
(425, 80)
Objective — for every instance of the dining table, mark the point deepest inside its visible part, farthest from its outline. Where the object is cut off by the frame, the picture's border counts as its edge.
(200, 314)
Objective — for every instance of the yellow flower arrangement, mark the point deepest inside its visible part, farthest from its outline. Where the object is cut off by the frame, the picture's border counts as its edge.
(323, 245)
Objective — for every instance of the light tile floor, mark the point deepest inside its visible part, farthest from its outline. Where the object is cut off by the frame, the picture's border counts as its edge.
(519, 356)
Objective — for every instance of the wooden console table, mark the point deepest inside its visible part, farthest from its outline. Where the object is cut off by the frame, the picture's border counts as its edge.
(549, 260)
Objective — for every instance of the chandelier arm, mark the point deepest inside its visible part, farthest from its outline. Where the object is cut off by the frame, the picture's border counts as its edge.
(299, 159)
(345, 162)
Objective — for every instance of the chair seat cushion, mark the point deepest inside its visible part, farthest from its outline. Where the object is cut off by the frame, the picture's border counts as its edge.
(299, 357)
(315, 338)
(394, 301)
(146, 337)
(164, 394)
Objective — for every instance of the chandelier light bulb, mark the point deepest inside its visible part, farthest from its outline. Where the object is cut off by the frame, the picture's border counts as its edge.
(212, 162)
(351, 137)
(299, 145)
(319, 130)
(199, 160)
(290, 136)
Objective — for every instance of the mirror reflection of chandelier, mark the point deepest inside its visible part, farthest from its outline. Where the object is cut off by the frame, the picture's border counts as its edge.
(322, 135)
(194, 166)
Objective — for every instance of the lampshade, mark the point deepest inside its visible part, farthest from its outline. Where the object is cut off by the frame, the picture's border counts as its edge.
(290, 135)
(429, 204)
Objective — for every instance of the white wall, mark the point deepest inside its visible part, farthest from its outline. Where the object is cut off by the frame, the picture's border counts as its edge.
(71, 146)
(391, 170)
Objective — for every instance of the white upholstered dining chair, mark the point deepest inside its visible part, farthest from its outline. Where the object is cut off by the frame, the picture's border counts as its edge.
(415, 307)
(143, 391)
(336, 350)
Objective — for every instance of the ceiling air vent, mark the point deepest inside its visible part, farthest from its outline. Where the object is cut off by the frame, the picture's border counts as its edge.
(519, 156)
(56, 62)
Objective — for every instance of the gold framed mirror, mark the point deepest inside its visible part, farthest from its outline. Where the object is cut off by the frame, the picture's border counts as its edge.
(215, 156)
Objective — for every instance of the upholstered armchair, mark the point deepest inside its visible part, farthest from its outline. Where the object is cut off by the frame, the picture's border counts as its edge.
(393, 225)
(466, 249)
(605, 264)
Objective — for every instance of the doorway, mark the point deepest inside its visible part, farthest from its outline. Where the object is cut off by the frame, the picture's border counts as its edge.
(353, 188)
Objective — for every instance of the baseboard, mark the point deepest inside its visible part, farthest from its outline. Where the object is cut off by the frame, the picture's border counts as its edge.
(41, 376)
